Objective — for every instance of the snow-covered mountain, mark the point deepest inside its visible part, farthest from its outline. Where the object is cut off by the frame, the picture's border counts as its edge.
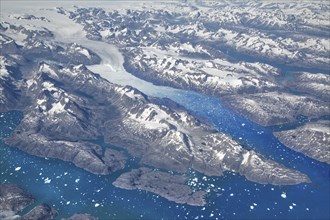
(238, 52)
(66, 105)
(219, 49)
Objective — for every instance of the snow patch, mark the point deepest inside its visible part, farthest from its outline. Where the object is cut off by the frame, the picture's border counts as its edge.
(83, 51)
(246, 157)
(57, 108)
(47, 69)
(220, 155)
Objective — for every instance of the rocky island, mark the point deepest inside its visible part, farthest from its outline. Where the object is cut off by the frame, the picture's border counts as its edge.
(171, 187)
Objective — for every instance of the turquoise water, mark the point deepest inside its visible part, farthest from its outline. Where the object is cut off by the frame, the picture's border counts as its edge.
(72, 190)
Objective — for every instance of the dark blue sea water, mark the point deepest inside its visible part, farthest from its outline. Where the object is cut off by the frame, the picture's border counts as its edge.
(72, 190)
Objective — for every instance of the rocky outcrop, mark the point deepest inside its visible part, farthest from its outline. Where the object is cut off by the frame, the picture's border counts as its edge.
(8, 45)
(277, 108)
(314, 84)
(90, 157)
(256, 168)
(40, 212)
(171, 187)
(211, 77)
(81, 217)
(14, 199)
(311, 139)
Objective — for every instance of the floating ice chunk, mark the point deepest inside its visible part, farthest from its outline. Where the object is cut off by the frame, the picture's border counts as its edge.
(17, 168)
(243, 124)
(47, 180)
(231, 194)
(66, 173)
(294, 204)
(211, 215)
(251, 207)
(97, 204)
(283, 195)
(291, 207)
(77, 180)
(68, 202)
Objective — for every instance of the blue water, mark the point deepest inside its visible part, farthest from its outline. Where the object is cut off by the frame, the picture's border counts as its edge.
(73, 190)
